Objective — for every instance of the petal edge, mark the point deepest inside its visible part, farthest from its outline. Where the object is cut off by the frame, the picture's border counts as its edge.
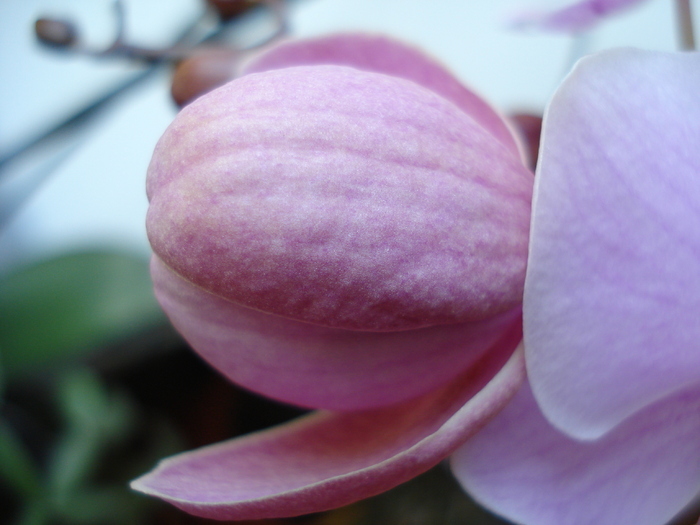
(326, 459)
(612, 288)
(643, 472)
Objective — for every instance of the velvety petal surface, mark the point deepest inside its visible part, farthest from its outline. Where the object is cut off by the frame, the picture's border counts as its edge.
(571, 16)
(326, 460)
(642, 473)
(612, 294)
(320, 367)
(384, 55)
(343, 198)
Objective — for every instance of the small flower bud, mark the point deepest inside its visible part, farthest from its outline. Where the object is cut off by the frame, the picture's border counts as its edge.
(229, 9)
(55, 33)
(201, 73)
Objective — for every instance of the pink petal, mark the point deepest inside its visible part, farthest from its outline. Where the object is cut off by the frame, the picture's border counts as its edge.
(572, 16)
(320, 367)
(342, 198)
(384, 55)
(326, 460)
(612, 296)
(642, 473)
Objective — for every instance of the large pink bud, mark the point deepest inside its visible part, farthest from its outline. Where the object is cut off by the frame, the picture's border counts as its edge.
(340, 238)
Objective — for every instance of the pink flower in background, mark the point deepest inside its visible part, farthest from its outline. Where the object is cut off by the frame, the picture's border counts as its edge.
(611, 308)
(344, 228)
(570, 16)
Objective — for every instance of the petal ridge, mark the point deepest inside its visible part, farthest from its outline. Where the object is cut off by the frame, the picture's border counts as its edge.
(258, 193)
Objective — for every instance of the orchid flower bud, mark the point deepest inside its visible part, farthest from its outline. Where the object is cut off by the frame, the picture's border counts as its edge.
(338, 228)
(343, 227)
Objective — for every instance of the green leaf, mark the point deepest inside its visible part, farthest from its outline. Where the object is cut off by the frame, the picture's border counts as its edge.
(66, 306)
(94, 420)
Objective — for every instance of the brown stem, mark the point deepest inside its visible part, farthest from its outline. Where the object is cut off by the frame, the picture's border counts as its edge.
(684, 16)
(61, 34)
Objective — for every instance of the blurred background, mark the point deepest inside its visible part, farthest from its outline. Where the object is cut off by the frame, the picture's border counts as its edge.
(95, 386)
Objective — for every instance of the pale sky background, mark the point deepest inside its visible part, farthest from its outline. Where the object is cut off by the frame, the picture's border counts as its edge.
(96, 197)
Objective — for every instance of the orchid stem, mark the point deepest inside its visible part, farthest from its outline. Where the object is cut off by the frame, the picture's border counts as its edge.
(684, 15)
(580, 45)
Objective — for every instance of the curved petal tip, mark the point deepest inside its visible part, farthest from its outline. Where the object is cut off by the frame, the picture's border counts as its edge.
(326, 460)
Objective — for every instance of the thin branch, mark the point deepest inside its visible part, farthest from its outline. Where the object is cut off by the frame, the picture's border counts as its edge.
(684, 15)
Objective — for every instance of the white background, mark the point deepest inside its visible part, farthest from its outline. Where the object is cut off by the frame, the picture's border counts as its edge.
(96, 196)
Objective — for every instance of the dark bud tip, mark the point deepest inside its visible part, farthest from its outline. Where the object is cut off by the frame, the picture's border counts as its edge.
(530, 127)
(55, 33)
(229, 9)
(202, 72)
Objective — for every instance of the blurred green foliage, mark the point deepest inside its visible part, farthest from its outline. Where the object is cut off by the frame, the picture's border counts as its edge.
(109, 425)
(70, 305)
(55, 314)
(95, 421)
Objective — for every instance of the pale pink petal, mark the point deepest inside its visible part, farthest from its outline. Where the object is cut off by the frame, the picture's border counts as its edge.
(612, 297)
(342, 198)
(326, 460)
(384, 55)
(571, 16)
(320, 367)
(641, 473)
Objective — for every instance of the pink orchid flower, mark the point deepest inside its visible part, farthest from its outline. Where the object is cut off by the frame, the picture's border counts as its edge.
(571, 16)
(344, 227)
(611, 307)
(352, 238)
